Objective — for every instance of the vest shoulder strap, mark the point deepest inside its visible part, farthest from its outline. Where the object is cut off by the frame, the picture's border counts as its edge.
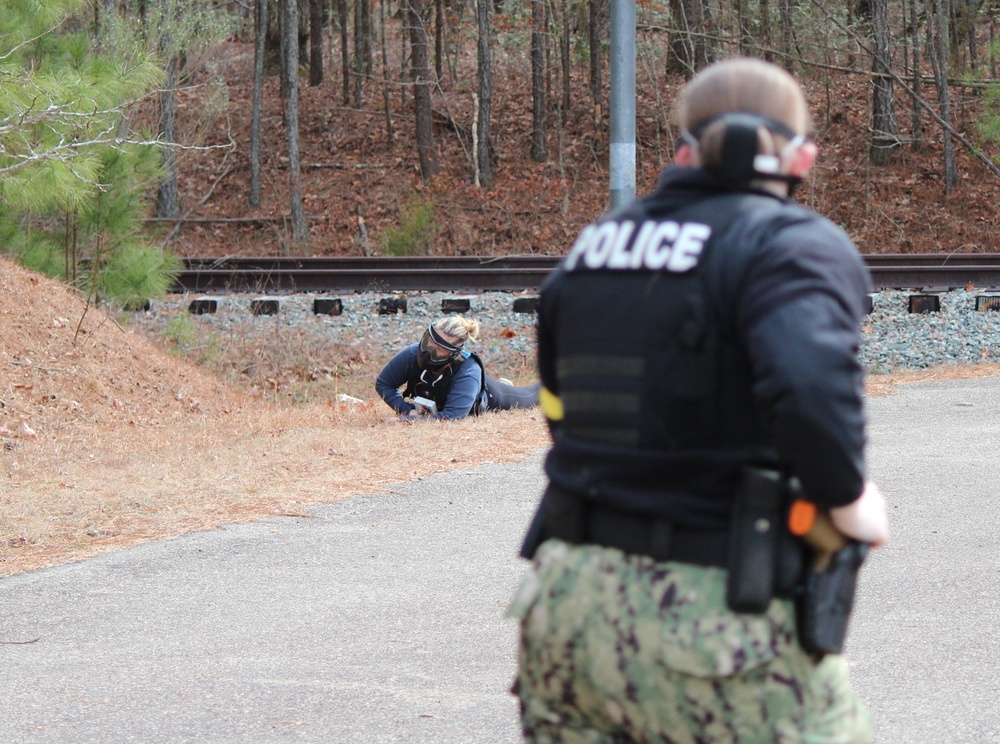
(480, 405)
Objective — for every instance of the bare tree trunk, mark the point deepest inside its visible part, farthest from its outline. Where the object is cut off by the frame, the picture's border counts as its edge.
(290, 70)
(483, 154)
(681, 54)
(939, 61)
(564, 47)
(438, 38)
(539, 153)
(302, 35)
(971, 8)
(109, 9)
(743, 24)
(422, 91)
(993, 46)
(363, 28)
(547, 42)
(358, 64)
(917, 121)
(167, 198)
(962, 28)
(690, 48)
(594, 42)
(704, 33)
(404, 60)
(885, 127)
(765, 30)
(315, 42)
(345, 52)
(859, 13)
(260, 34)
(785, 11)
(283, 37)
(390, 135)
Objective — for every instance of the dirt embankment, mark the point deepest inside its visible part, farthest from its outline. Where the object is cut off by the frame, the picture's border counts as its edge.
(106, 440)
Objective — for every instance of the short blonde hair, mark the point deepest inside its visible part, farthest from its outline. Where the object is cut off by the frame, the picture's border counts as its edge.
(462, 329)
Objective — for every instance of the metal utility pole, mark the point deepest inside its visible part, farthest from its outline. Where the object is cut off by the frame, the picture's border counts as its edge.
(622, 156)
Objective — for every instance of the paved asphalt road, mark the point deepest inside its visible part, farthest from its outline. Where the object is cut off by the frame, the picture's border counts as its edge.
(380, 618)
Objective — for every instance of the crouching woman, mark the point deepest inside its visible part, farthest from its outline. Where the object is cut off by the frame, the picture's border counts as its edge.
(438, 378)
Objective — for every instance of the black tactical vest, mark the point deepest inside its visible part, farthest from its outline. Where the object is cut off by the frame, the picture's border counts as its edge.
(657, 389)
(435, 383)
(645, 370)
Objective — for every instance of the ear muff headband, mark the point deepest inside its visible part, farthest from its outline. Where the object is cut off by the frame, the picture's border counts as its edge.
(739, 162)
(744, 118)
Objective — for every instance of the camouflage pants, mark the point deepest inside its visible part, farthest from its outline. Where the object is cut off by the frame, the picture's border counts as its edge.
(618, 649)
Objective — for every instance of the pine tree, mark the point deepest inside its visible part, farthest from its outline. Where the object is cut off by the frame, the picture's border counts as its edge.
(72, 172)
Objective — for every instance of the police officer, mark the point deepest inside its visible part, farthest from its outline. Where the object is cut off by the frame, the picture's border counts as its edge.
(710, 326)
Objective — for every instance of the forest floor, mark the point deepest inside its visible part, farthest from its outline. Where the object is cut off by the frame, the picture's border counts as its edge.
(358, 182)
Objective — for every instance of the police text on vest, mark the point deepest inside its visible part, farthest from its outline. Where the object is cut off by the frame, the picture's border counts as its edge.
(658, 245)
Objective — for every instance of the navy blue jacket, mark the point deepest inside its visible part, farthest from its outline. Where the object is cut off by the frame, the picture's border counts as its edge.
(462, 393)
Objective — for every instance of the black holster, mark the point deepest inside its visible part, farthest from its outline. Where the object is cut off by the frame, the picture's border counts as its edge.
(765, 560)
(826, 598)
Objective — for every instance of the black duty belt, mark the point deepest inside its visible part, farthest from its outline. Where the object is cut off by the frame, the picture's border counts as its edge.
(575, 520)
(638, 534)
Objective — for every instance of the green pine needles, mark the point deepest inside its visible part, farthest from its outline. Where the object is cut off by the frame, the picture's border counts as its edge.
(73, 173)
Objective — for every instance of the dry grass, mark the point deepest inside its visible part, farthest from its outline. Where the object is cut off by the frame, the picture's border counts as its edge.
(886, 384)
(66, 500)
(106, 440)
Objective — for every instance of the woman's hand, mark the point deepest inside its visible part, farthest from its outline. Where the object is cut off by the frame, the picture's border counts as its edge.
(865, 519)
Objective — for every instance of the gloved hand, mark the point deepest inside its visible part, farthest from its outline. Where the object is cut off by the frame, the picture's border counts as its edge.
(865, 519)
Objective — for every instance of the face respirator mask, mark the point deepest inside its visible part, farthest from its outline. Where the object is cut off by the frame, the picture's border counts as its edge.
(435, 351)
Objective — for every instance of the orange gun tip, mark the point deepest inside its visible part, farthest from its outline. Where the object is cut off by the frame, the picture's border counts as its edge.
(801, 517)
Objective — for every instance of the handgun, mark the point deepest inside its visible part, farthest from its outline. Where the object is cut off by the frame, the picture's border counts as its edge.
(827, 594)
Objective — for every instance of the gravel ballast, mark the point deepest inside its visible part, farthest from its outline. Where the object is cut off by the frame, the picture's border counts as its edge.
(894, 338)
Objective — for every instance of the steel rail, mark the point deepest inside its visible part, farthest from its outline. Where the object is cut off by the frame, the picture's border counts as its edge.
(336, 263)
(284, 275)
(934, 271)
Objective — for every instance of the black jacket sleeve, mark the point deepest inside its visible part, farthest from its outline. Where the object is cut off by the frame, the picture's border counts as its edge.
(800, 316)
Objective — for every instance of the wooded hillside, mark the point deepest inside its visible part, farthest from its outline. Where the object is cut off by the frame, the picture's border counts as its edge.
(361, 170)
(457, 127)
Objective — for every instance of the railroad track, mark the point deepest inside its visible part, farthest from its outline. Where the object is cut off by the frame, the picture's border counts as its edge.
(285, 275)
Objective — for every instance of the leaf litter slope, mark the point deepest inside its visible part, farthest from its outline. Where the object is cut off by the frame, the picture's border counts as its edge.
(358, 183)
(106, 440)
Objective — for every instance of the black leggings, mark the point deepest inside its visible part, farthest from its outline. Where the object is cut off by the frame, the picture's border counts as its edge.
(503, 397)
